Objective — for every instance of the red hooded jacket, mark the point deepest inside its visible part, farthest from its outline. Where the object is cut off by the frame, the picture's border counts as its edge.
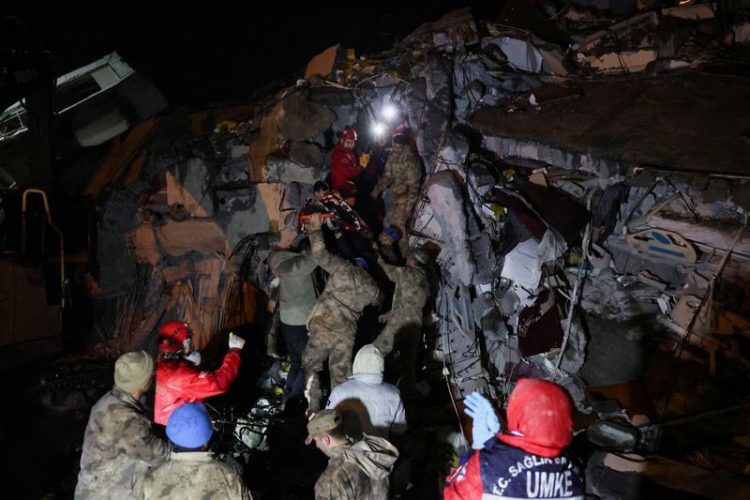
(344, 168)
(178, 382)
(529, 461)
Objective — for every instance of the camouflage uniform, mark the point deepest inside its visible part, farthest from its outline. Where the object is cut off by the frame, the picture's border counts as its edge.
(402, 174)
(359, 471)
(333, 321)
(118, 447)
(404, 327)
(192, 475)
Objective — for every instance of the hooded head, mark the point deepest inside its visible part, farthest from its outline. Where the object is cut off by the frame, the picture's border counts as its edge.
(369, 364)
(133, 372)
(539, 418)
(189, 426)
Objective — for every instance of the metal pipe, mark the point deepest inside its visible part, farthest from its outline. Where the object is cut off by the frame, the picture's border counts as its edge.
(47, 212)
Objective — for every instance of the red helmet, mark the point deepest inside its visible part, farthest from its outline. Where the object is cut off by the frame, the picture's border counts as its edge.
(172, 334)
(349, 133)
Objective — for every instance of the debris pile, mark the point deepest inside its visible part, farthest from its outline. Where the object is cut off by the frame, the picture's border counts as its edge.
(528, 234)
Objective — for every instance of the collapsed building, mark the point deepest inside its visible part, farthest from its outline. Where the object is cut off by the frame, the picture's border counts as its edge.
(578, 197)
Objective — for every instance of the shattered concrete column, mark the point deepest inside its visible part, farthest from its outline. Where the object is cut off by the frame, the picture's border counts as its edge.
(436, 116)
(446, 213)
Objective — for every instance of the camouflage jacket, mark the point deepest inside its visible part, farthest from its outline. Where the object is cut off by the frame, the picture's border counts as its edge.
(412, 287)
(359, 471)
(402, 174)
(192, 475)
(118, 447)
(348, 291)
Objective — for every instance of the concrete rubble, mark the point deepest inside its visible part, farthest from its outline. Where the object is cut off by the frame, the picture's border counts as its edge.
(189, 188)
(190, 204)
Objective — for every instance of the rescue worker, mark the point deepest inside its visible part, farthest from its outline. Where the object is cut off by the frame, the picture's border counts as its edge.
(403, 329)
(356, 470)
(345, 167)
(530, 459)
(373, 170)
(192, 471)
(365, 402)
(333, 321)
(178, 378)
(403, 175)
(296, 300)
(118, 445)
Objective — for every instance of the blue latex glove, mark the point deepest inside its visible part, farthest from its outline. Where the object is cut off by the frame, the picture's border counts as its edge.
(484, 421)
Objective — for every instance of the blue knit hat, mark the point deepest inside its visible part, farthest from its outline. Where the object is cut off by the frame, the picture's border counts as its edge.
(189, 426)
(361, 262)
(392, 232)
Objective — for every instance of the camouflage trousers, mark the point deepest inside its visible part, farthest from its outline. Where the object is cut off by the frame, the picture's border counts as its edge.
(334, 346)
(397, 213)
(403, 332)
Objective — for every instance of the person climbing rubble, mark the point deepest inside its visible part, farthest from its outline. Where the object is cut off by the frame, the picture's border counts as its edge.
(350, 233)
(297, 296)
(367, 403)
(192, 471)
(530, 460)
(345, 168)
(333, 321)
(178, 378)
(356, 469)
(118, 445)
(403, 175)
(403, 329)
(376, 158)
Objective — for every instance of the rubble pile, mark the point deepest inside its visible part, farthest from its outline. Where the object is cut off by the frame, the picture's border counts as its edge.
(532, 238)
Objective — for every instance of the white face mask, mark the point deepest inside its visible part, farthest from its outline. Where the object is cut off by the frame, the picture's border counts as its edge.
(187, 346)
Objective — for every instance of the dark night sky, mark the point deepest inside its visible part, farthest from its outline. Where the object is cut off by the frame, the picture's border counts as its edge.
(223, 50)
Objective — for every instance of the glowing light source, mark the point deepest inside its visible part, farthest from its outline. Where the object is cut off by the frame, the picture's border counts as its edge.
(390, 112)
(378, 129)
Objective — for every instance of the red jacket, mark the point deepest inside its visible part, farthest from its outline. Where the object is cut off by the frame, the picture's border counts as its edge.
(178, 382)
(344, 168)
(529, 460)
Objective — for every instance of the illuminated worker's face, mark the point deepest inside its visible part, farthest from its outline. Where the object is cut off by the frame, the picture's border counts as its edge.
(319, 195)
(349, 143)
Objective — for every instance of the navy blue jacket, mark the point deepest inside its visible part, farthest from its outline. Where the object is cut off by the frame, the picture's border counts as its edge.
(499, 471)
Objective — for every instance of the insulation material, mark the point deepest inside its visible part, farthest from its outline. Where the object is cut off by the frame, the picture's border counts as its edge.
(143, 242)
(204, 236)
(629, 61)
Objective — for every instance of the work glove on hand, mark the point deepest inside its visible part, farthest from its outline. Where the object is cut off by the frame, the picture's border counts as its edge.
(484, 421)
(194, 357)
(235, 341)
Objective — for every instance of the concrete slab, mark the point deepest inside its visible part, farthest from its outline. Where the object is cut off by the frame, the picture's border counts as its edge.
(690, 121)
